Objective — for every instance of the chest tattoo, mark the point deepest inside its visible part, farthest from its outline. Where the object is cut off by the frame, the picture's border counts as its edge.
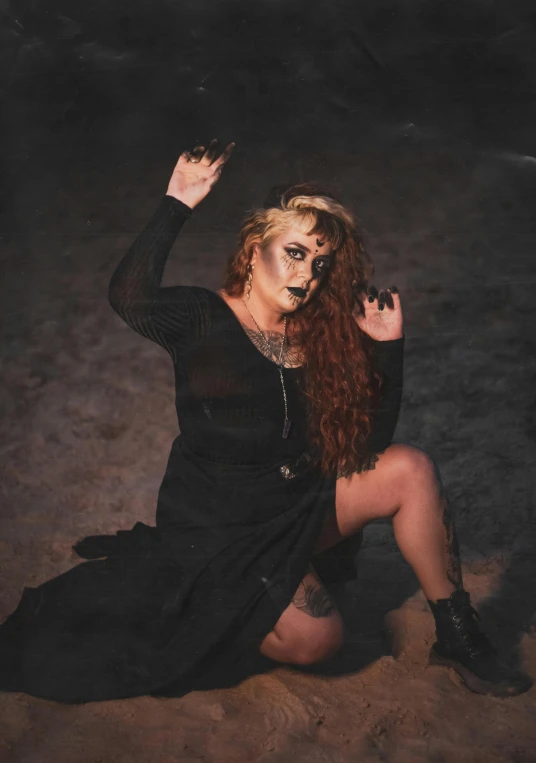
(291, 355)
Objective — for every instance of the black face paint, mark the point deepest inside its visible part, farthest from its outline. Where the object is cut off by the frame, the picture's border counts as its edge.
(319, 272)
(289, 260)
(295, 299)
(320, 244)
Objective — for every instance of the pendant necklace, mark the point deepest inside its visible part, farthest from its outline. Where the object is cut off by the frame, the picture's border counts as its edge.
(286, 424)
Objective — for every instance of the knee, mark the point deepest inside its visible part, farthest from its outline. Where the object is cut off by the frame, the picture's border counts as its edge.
(415, 465)
(319, 644)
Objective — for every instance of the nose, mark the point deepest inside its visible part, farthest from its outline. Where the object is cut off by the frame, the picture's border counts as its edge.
(306, 273)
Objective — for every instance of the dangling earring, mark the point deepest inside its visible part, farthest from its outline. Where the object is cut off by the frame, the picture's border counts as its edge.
(249, 280)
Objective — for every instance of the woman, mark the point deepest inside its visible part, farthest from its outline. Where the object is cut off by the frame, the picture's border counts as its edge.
(288, 385)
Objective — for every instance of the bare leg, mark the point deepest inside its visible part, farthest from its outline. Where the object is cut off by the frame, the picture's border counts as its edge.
(309, 629)
(405, 486)
(274, 647)
(426, 536)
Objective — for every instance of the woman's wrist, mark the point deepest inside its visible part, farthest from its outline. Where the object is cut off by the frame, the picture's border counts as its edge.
(180, 203)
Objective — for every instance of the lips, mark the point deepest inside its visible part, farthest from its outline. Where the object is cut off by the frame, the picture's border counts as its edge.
(297, 291)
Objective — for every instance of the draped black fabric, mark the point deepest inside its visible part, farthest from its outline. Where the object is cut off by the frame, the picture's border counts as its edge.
(163, 609)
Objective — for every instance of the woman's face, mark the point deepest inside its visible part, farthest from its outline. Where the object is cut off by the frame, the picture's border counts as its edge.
(290, 269)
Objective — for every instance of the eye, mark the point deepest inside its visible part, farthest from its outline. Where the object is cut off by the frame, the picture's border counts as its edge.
(294, 252)
(322, 265)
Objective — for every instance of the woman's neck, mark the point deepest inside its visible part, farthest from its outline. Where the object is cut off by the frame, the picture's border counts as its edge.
(267, 318)
(264, 316)
(292, 357)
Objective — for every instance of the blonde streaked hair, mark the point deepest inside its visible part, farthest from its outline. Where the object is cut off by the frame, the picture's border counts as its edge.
(318, 214)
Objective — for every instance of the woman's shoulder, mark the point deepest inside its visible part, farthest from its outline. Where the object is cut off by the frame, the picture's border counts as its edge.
(196, 310)
(200, 295)
(194, 305)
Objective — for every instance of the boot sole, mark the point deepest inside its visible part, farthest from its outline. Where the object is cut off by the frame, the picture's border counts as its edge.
(476, 684)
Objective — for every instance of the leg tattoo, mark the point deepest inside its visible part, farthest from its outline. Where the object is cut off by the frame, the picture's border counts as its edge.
(313, 599)
(454, 567)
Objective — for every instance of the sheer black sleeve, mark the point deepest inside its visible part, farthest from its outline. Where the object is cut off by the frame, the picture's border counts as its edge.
(390, 357)
(169, 316)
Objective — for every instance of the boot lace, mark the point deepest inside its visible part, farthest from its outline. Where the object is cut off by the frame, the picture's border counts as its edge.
(471, 637)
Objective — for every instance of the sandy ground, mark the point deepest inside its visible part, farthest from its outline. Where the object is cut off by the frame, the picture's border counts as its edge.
(88, 420)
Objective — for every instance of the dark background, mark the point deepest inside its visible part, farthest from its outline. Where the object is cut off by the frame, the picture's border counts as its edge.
(420, 114)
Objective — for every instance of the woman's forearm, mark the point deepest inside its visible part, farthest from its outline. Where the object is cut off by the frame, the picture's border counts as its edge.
(390, 355)
(135, 284)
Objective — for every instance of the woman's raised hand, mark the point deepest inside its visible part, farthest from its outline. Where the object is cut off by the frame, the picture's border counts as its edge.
(196, 172)
(379, 313)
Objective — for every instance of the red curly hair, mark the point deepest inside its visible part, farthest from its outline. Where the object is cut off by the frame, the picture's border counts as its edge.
(342, 382)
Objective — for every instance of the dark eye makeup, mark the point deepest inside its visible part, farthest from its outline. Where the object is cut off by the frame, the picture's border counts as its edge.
(321, 263)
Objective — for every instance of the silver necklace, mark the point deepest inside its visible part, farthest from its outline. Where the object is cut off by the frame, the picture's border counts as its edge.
(286, 424)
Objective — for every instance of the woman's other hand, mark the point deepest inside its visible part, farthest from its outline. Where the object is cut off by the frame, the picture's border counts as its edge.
(379, 314)
(196, 172)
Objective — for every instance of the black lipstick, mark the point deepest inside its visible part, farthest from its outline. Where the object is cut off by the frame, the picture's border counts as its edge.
(297, 291)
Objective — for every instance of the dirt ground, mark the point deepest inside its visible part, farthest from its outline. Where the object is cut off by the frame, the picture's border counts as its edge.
(88, 419)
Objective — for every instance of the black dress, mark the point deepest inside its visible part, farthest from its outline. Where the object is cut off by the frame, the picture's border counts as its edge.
(162, 610)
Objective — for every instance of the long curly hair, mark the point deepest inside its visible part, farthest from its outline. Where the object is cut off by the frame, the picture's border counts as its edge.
(341, 381)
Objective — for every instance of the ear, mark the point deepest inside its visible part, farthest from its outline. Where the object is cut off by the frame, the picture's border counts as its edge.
(256, 253)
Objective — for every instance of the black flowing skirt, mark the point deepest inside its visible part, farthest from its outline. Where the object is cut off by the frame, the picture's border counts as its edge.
(172, 605)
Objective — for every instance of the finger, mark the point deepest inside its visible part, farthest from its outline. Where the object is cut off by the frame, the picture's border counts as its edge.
(396, 297)
(382, 297)
(361, 298)
(372, 293)
(196, 154)
(184, 158)
(210, 153)
(396, 302)
(225, 155)
(389, 299)
(213, 179)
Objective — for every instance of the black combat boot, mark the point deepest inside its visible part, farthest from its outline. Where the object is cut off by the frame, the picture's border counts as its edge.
(461, 645)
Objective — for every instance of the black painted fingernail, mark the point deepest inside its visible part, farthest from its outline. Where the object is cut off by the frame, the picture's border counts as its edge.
(380, 305)
(394, 290)
(371, 298)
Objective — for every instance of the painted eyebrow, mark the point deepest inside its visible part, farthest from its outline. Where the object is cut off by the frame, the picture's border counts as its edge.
(305, 248)
(300, 246)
